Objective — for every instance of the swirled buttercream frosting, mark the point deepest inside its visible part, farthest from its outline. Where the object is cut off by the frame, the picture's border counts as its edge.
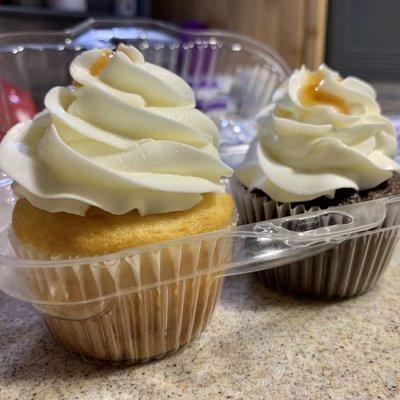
(126, 135)
(321, 133)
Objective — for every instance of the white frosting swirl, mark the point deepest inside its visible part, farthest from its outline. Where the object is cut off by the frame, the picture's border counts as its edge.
(127, 138)
(321, 133)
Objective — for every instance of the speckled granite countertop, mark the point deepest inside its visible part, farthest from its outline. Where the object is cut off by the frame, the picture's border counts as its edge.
(259, 345)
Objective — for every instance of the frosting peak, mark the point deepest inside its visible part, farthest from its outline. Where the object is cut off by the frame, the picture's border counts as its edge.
(322, 133)
(125, 136)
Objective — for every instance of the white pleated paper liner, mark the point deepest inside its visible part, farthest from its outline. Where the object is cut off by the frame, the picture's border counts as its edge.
(347, 269)
(133, 327)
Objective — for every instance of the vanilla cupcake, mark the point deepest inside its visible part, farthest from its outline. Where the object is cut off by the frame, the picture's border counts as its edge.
(322, 143)
(120, 159)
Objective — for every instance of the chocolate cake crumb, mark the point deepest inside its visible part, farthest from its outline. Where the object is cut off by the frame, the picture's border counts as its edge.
(390, 187)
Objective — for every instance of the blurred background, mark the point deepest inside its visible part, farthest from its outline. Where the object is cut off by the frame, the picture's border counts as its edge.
(360, 37)
(232, 77)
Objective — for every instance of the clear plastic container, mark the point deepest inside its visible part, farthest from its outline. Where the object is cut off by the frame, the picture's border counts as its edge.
(142, 303)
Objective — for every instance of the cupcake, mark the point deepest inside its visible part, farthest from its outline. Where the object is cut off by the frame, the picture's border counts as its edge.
(322, 143)
(119, 160)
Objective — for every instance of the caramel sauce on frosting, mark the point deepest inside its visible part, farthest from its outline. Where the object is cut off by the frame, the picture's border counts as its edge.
(312, 94)
(101, 62)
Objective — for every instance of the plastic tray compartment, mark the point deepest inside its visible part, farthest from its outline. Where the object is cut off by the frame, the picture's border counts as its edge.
(142, 303)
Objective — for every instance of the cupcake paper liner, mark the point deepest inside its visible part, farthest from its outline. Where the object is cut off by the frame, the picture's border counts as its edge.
(346, 269)
(132, 327)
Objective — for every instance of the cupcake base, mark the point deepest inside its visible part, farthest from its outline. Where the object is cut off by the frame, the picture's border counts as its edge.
(144, 326)
(350, 268)
(89, 310)
(347, 269)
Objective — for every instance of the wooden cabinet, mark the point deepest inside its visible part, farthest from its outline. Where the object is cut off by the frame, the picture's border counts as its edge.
(295, 28)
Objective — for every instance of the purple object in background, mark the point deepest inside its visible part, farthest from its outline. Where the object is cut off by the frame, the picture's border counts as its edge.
(197, 68)
(186, 38)
(68, 5)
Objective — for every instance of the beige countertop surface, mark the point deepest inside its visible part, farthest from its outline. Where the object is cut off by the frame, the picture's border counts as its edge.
(259, 345)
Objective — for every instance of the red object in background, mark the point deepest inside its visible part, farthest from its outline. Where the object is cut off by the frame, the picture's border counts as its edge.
(19, 107)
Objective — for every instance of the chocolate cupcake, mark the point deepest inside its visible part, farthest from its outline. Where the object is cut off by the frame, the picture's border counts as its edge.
(322, 143)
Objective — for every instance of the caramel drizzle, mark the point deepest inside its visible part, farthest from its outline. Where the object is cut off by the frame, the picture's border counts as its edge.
(312, 94)
(101, 62)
